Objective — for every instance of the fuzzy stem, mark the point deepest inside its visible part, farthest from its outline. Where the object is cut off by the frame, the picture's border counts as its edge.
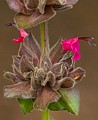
(45, 115)
(42, 32)
(45, 48)
(44, 37)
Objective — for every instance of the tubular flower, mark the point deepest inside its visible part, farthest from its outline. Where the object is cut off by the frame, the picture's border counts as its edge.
(23, 34)
(73, 45)
(33, 12)
(39, 76)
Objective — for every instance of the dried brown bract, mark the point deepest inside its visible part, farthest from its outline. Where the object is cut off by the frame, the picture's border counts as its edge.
(34, 12)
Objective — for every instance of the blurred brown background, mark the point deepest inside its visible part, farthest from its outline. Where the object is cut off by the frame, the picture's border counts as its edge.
(82, 20)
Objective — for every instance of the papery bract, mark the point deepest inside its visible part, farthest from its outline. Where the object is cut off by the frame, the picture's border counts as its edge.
(23, 34)
(34, 12)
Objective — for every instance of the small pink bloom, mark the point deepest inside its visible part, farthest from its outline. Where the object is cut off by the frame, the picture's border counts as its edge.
(23, 34)
(73, 45)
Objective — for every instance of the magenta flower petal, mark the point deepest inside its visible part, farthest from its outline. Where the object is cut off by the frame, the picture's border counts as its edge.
(18, 40)
(73, 45)
(66, 46)
(23, 34)
(69, 44)
(76, 56)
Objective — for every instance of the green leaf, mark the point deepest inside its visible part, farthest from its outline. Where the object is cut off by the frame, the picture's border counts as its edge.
(69, 101)
(26, 105)
(56, 106)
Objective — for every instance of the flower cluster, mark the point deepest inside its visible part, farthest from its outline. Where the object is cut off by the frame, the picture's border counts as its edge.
(41, 76)
(34, 12)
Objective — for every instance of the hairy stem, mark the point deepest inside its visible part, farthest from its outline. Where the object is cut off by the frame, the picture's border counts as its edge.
(44, 37)
(45, 49)
(42, 32)
(45, 115)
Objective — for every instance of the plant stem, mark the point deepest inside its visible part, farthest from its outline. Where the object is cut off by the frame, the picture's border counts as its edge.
(44, 37)
(45, 115)
(45, 48)
(42, 32)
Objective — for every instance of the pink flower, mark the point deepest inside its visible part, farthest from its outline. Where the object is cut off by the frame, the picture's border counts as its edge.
(23, 34)
(73, 45)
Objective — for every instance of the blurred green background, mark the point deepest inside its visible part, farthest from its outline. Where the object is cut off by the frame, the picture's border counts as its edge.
(82, 20)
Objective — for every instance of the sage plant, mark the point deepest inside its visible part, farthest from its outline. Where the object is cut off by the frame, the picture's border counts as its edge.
(44, 78)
